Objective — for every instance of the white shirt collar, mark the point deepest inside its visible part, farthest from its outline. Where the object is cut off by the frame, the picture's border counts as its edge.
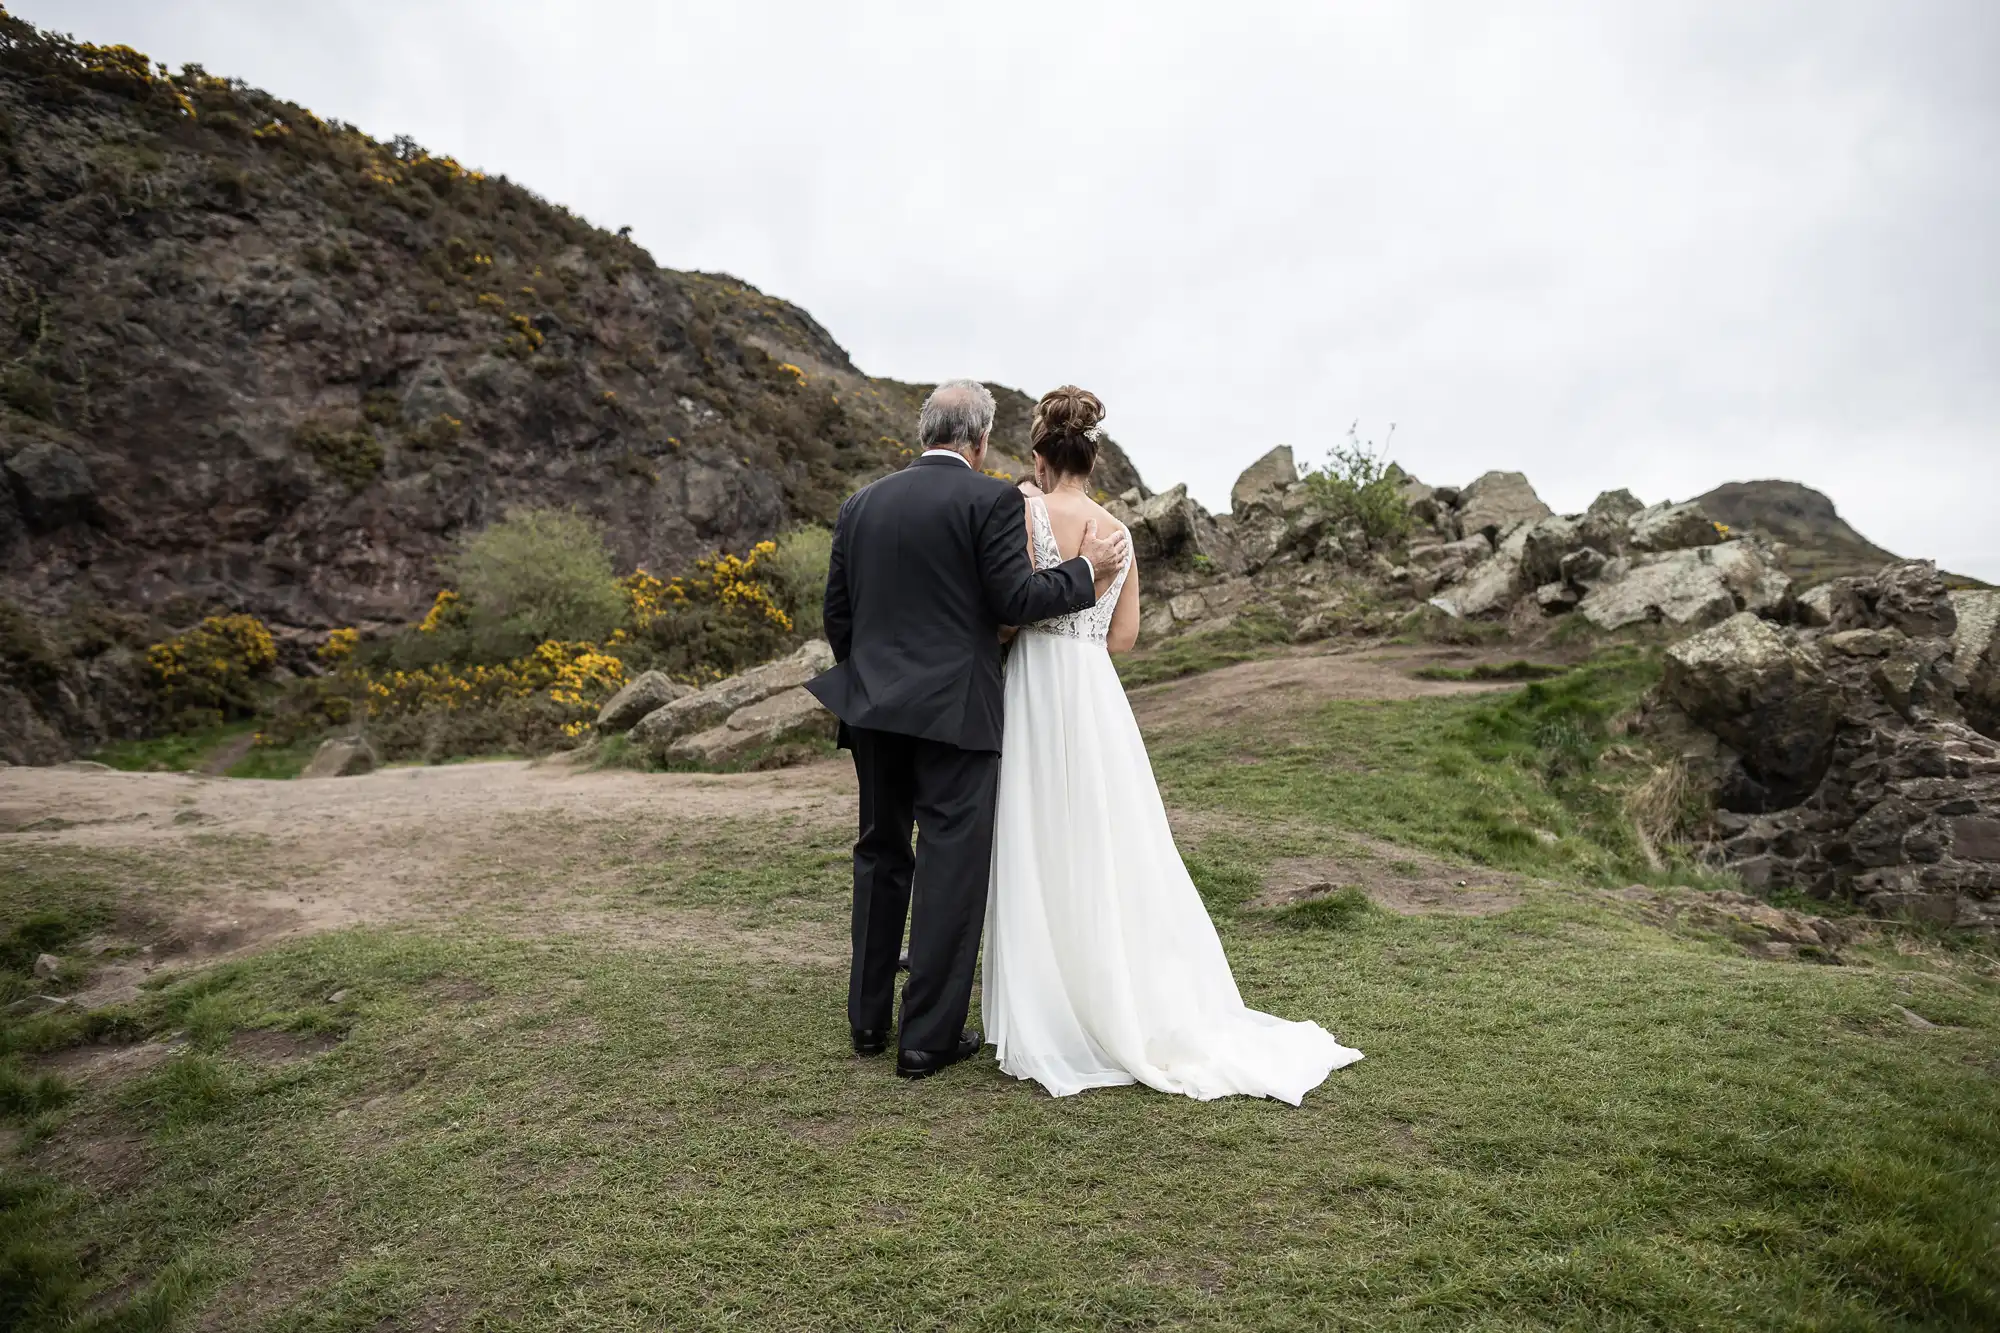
(947, 453)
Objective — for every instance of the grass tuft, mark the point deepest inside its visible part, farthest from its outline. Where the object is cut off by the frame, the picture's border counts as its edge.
(1338, 910)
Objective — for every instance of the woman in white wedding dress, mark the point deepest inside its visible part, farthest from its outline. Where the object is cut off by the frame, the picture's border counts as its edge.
(1102, 966)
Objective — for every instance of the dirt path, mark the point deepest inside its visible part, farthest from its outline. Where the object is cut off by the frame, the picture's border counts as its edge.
(232, 865)
(1280, 686)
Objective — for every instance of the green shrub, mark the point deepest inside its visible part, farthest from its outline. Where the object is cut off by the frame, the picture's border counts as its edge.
(353, 457)
(796, 571)
(1358, 486)
(545, 573)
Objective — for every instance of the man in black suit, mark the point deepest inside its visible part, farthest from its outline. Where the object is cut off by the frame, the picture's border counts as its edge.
(927, 565)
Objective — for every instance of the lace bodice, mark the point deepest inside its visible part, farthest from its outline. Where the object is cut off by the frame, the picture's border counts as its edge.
(1093, 623)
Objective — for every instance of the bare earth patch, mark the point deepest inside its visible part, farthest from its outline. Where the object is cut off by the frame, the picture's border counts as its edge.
(1396, 879)
(221, 867)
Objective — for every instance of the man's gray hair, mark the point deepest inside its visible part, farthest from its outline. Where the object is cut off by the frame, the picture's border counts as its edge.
(957, 415)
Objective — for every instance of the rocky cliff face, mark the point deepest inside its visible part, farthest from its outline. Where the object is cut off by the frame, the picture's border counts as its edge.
(1855, 755)
(255, 361)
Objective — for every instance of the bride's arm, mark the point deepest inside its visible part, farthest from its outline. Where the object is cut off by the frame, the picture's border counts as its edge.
(1124, 630)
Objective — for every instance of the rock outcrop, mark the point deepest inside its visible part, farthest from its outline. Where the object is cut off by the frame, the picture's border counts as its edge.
(1846, 756)
(758, 709)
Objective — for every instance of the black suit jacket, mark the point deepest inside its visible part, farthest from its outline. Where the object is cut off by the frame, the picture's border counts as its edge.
(928, 564)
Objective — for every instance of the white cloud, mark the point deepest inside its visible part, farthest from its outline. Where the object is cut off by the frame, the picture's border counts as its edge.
(1655, 246)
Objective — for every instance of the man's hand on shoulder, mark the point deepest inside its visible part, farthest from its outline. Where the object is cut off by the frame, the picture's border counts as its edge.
(1106, 554)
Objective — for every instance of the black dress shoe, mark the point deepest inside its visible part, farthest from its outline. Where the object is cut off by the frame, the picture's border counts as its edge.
(870, 1041)
(922, 1064)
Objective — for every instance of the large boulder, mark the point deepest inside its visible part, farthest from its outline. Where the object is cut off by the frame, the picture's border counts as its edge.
(1672, 527)
(710, 707)
(788, 717)
(1497, 503)
(1766, 695)
(1264, 480)
(650, 691)
(341, 757)
(1687, 588)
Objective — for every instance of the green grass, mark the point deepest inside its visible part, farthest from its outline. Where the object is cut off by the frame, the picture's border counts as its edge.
(274, 762)
(1256, 633)
(1519, 669)
(1512, 782)
(1569, 1118)
(181, 753)
(187, 752)
(1566, 1120)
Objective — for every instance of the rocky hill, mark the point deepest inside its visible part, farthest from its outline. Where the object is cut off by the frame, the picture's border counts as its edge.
(257, 361)
(1819, 543)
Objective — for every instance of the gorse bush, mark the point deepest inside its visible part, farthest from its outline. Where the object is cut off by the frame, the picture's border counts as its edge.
(545, 573)
(539, 633)
(214, 668)
(1358, 486)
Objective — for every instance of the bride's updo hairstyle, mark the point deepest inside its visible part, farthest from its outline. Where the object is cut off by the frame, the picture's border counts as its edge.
(1064, 432)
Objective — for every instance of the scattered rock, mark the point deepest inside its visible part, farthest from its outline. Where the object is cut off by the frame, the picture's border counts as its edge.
(1688, 588)
(47, 967)
(1497, 581)
(1915, 1019)
(342, 757)
(648, 691)
(710, 708)
(1758, 927)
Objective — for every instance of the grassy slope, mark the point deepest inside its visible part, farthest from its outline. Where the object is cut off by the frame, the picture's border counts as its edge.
(1568, 1118)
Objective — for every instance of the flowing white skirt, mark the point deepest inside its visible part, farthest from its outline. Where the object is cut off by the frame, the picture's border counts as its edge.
(1102, 966)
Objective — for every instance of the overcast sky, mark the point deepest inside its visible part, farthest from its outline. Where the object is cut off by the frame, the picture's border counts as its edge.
(1654, 245)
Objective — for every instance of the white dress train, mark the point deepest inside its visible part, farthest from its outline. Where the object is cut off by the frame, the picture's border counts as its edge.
(1102, 966)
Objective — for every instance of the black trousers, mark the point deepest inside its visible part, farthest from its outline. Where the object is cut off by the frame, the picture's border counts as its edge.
(949, 794)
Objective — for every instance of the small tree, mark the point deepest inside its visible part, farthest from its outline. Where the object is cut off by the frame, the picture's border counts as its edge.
(1358, 485)
(544, 573)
